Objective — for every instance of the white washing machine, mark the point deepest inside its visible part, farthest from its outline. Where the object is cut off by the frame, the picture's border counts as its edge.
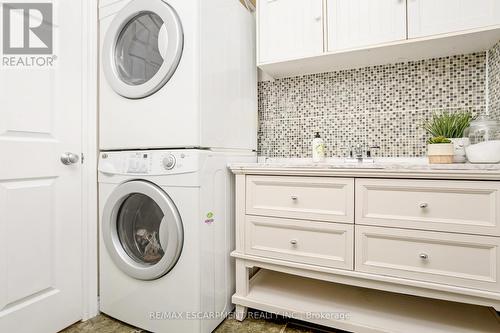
(166, 231)
(177, 73)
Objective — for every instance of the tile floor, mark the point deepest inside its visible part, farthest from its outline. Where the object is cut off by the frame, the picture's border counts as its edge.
(105, 324)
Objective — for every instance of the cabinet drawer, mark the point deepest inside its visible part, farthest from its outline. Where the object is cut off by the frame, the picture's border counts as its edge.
(310, 198)
(454, 206)
(308, 242)
(454, 259)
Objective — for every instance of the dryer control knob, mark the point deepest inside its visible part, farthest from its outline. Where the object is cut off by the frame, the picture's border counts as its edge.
(168, 162)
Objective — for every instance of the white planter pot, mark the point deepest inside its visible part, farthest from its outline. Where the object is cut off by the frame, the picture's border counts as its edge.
(459, 145)
(441, 153)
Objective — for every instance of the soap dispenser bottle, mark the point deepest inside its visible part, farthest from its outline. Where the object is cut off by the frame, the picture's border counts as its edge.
(318, 149)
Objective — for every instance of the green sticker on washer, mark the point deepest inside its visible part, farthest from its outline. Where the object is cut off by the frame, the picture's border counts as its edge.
(210, 215)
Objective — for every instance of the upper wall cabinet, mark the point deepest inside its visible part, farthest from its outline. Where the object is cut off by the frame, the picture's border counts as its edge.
(432, 17)
(289, 29)
(357, 23)
(297, 37)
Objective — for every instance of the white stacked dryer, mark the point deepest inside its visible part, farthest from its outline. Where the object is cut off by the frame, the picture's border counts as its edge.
(177, 73)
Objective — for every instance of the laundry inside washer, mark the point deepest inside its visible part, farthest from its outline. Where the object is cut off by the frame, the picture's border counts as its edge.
(138, 226)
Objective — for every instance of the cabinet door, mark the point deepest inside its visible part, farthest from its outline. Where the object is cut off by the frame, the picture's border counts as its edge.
(357, 23)
(289, 29)
(431, 17)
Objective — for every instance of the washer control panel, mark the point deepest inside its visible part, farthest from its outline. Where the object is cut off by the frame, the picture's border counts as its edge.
(149, 162)
(137, 163)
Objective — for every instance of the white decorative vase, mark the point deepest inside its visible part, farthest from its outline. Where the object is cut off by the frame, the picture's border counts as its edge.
(459, 145)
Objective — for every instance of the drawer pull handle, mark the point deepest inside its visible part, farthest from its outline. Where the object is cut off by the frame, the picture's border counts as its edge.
(295, 198)
(423, 256)
(294, 242)
(424, 205)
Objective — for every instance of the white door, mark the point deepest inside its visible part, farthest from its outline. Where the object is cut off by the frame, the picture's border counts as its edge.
(289, 29)
(358, 23)
(431, 17)
(40, 197)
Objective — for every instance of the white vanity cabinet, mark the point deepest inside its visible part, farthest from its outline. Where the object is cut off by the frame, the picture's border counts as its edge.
(289, 29)
(431, 17)
(358, 23)
(376, 236)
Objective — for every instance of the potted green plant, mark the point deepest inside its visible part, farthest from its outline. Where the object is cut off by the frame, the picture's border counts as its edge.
(440, 150)
(451, 125)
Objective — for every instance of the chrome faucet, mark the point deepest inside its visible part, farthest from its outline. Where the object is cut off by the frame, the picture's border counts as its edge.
(357, 154)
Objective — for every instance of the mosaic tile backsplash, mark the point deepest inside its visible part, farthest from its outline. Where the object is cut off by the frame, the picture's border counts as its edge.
(494, 81)
(375, 106)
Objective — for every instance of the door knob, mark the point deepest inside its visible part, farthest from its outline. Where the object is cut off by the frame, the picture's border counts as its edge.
(69, 158)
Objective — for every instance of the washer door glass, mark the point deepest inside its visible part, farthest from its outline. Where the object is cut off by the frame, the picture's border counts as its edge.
(138, 226)
(142, 230)
(142, 48)
(137, 54)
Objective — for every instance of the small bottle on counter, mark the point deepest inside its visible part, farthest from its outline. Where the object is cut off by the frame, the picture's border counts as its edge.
(318, 149)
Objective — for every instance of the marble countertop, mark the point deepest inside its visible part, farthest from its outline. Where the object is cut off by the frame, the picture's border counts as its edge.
(382, 167)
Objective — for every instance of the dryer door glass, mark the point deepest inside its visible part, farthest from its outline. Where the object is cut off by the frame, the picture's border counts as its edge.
(138, 54)
(142, 48)
(138, 227)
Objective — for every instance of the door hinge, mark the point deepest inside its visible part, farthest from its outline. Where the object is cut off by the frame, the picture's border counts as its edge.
(83, 158)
